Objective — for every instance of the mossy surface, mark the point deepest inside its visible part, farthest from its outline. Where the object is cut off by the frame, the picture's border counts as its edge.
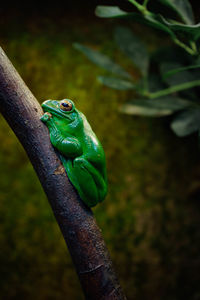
(150, 219)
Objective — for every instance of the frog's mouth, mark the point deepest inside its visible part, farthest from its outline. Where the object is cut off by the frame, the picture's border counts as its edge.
(55, 111)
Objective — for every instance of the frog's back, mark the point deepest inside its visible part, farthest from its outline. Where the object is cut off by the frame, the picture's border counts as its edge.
(92, 148)
(88, 171)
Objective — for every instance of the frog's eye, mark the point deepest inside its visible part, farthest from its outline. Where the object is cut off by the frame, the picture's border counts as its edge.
(66, 105)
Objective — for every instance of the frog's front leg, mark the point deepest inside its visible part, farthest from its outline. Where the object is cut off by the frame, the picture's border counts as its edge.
(67, 146)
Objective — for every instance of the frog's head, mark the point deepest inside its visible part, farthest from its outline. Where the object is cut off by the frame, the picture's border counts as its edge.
(64, 109)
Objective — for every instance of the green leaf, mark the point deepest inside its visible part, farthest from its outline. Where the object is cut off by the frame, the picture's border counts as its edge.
(187, 32)
(186, 122)
(115, 12)
(155, 108)
(116, 83)
(177, 77)
(133, 47)
(102, 60)
(110, 12)
(182, 8)
(137, 109)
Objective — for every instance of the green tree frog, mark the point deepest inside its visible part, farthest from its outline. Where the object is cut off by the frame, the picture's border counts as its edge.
(80, 151)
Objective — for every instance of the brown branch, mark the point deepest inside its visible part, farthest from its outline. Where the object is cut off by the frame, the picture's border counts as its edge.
(78, 226)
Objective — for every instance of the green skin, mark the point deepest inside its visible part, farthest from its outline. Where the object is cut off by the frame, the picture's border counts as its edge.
(80, 151)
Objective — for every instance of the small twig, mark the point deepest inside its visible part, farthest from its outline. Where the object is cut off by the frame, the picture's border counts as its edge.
(78, 226)
(145, 3)
(191, 51)
(174, 89)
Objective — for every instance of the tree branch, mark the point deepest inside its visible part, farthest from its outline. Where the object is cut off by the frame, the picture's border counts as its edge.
(76, 221)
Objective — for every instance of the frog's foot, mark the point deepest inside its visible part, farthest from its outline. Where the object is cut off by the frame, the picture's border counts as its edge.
(46, 117)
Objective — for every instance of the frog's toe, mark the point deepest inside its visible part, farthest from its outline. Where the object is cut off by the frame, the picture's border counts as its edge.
(46, 117)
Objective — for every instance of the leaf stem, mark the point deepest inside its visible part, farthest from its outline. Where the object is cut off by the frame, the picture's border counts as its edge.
(181, 69)
(193, 46)
(141, 8)
(145, 3)
(173, 89)
(184, 46)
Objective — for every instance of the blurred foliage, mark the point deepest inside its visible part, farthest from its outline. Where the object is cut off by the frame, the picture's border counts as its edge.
(169, 76)
(150, 219)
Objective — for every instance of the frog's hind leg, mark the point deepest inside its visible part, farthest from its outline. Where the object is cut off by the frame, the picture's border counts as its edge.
(99, 179)
(85, 181)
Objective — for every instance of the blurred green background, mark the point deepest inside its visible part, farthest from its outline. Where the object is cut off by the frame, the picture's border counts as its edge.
(151, 217)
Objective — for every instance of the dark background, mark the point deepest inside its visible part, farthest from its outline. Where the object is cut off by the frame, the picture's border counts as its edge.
(67, 7)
